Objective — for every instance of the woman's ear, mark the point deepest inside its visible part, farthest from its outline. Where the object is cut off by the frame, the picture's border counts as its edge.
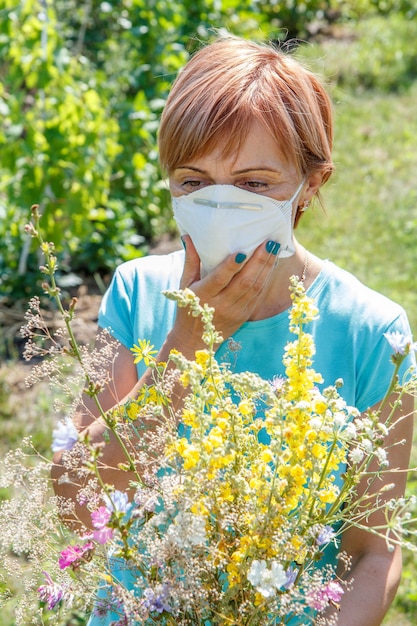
(312, 186)
(314, 182)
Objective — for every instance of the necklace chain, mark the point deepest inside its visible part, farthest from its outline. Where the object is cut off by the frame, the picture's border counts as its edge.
(305, 268)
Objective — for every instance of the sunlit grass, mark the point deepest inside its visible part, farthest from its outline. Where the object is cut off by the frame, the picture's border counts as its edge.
(370, 223)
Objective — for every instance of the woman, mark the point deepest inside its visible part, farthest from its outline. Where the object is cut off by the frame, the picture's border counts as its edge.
(246, 138)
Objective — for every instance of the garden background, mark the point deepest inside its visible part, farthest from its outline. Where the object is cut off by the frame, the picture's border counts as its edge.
(82, 86)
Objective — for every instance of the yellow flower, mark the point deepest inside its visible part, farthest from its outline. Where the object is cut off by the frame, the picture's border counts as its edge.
(226, 494)
(233, 574)
(190, 418)
(267, 456)
(202, 357)
(199, 508)
(329, 495)
(318, 451)
(184, 379)
(246, 407)
(259, 599)
(145, 350)
(191, 457)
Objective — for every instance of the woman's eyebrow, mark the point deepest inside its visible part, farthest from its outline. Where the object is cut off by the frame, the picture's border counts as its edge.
(246, 170)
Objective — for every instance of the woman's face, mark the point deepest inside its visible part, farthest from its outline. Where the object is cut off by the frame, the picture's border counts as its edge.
(258, 166)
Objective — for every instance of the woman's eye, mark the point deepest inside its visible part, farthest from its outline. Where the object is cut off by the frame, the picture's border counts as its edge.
(256, 184)
(191, 183)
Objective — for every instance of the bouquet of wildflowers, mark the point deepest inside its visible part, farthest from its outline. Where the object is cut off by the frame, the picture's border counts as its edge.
(238, 495)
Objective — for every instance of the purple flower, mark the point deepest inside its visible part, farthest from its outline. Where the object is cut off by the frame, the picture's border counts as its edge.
(117, 501)
(51, 593)
(319, 599)
(277, 383)
(291, 574)
(104, 605)
(156, 600)
(326, 535)
(73, 555)
(64, 436)
(400, 343)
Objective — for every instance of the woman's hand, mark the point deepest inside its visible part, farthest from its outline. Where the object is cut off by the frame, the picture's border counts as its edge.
(233, 289)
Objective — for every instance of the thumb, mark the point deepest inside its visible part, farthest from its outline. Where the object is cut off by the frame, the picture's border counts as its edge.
(191, 271)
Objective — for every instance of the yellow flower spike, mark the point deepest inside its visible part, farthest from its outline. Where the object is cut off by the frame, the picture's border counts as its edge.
(132, 411)
(320, 407)
(223, 424)
(244, 542)
(255, 483)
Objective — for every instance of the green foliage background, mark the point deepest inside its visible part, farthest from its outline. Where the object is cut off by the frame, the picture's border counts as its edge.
(82, 86)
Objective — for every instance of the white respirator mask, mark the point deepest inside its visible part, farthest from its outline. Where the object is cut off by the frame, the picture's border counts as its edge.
(223, 219)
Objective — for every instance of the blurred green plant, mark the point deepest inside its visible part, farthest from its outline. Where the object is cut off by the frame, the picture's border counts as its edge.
(82, 88)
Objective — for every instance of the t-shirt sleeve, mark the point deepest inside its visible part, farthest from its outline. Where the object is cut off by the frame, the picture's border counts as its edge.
(376, 368)
(115, 314)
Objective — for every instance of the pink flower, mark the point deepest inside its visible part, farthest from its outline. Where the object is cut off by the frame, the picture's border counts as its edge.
(74, 554)
(103, 535)
(319, 599)
(100, 517)
(334, 591)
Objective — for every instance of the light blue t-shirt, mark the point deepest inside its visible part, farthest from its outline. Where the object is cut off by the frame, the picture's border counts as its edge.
(349, 336)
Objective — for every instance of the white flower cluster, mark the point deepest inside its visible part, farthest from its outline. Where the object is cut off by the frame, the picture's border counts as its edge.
(188, 530)
(267, 580)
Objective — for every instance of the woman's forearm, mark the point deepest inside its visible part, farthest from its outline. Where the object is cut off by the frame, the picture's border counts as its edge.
(375, 579)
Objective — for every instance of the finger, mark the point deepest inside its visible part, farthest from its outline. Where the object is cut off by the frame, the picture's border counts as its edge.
(257, 271)
(249, 286)
(191, 271)
(222, 276)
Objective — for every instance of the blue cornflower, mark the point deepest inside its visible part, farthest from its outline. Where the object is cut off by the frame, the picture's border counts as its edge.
(326, 535)
(156, 600)
(118, 501)
(400, 343)
(64, 436)
(291, 574)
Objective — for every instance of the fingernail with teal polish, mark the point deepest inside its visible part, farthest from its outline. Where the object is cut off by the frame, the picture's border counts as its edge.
(184, 245)
(272, 247)
(240, 257)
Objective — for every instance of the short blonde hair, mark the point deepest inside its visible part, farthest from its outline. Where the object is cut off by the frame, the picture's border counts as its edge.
(231, 82)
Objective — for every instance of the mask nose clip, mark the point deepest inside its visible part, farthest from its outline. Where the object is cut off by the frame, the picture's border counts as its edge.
(228, 205)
